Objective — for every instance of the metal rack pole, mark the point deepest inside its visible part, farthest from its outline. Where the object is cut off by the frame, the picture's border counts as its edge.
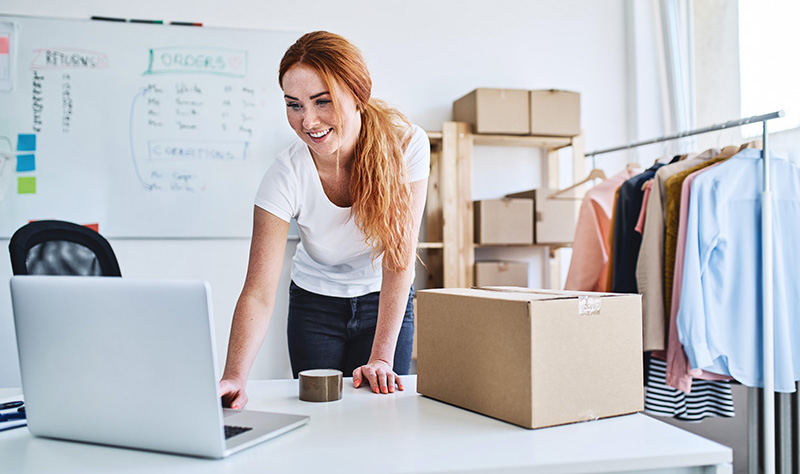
(767, 311)
(698, 131)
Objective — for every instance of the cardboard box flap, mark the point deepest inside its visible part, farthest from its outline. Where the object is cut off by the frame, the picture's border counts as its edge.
(589, 303)
(553, 91)
(551, 294)
(484, 294)
(524, 294)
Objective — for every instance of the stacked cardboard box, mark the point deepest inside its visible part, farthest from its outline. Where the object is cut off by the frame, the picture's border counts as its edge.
(503, 111)
(520, 112)
(501, 273)
(503, 221)
(555, 112)
(554, 217)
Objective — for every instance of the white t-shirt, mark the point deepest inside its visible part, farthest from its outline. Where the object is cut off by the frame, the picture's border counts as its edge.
(332, 257)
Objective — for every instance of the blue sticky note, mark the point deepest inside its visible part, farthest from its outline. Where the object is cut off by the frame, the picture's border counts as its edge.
(26, 163)
(26, 142)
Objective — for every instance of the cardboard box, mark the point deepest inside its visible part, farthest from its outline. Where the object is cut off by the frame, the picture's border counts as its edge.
(555, 112)
(503, 221)
(414, 342)
(494, 111)
(501, 273)
(554, 218)
(534, 358)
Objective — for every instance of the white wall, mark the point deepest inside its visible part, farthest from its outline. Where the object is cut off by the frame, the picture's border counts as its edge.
(423, 54)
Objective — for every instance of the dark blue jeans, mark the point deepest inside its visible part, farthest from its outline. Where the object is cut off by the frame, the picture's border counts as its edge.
(327, 332)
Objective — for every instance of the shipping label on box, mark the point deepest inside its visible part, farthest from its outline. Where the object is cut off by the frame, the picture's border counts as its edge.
(534, 358)
(502, 111)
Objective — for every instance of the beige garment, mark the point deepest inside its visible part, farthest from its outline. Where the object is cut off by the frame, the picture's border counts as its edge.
(650, 264)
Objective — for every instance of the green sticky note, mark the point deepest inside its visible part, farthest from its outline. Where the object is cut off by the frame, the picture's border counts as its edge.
(26, 185)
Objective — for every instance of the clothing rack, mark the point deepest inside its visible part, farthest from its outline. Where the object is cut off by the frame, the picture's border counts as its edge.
(766, 253)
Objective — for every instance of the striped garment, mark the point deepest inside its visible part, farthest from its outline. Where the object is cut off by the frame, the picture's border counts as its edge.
(707, 398)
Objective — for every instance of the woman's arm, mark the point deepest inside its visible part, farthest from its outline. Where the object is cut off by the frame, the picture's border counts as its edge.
(391, 309)
(256, 303)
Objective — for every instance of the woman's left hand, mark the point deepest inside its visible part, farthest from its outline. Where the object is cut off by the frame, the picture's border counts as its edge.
(380, 376)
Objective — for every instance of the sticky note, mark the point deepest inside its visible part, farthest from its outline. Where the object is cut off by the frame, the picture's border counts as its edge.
(26, 142)
(26, 163)
(7, 38)
(26, 185)
(5, 60)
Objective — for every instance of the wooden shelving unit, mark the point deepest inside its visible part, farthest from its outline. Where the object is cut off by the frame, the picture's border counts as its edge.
(449, 216)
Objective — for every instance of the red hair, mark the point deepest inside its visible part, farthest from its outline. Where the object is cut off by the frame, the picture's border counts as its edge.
(379, 184)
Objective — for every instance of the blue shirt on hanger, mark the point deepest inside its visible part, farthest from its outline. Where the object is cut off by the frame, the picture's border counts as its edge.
(720, 315)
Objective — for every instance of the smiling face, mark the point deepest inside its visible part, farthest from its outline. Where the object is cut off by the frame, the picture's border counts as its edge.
(311, 114)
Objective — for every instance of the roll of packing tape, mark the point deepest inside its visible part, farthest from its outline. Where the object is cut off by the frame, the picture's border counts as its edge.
(320, 385)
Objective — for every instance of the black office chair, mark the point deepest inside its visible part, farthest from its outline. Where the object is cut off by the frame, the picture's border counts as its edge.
(61, 248)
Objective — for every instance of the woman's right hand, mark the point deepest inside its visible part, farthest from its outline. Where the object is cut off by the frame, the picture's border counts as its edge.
(232, 393)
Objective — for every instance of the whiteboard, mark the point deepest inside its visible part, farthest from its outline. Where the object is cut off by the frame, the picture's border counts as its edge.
(146, 130)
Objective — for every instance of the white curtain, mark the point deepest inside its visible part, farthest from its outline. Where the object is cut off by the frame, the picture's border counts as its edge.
(677, 44)
(661, 84)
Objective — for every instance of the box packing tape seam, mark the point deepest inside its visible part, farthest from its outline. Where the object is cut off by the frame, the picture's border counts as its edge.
(588, 305)
(320, 385)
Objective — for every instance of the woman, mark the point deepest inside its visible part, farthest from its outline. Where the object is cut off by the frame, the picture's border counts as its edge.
(356, 183)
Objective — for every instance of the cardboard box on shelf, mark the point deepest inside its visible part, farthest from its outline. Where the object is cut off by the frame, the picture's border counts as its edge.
(501, 111)
(534, 358)
(555, 112)
(501, 273)
(554, 218)
(503, 221)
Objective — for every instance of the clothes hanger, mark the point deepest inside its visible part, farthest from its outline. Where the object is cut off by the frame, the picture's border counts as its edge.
(719, 140)
(758, 144)
(683, 155)
(663, 155)
(704, 155)
(729, 151)
(634, 163)
(596, 173)
(708, 154)
(666, 155)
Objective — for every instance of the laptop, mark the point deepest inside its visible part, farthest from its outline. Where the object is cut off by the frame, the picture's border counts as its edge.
(130, 363)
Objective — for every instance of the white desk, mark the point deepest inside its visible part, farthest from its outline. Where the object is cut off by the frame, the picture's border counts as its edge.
(403, 432)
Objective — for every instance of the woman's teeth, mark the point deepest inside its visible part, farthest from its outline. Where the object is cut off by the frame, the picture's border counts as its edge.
(320, 134)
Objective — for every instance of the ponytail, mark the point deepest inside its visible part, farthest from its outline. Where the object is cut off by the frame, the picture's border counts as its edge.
(379, 184)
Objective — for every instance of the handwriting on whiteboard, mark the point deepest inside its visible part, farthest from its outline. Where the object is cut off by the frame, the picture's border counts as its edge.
(184, 126)
(198, 59)
(68, 58)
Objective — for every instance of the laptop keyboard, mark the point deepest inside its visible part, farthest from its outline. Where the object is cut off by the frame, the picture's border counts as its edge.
(231, 431)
